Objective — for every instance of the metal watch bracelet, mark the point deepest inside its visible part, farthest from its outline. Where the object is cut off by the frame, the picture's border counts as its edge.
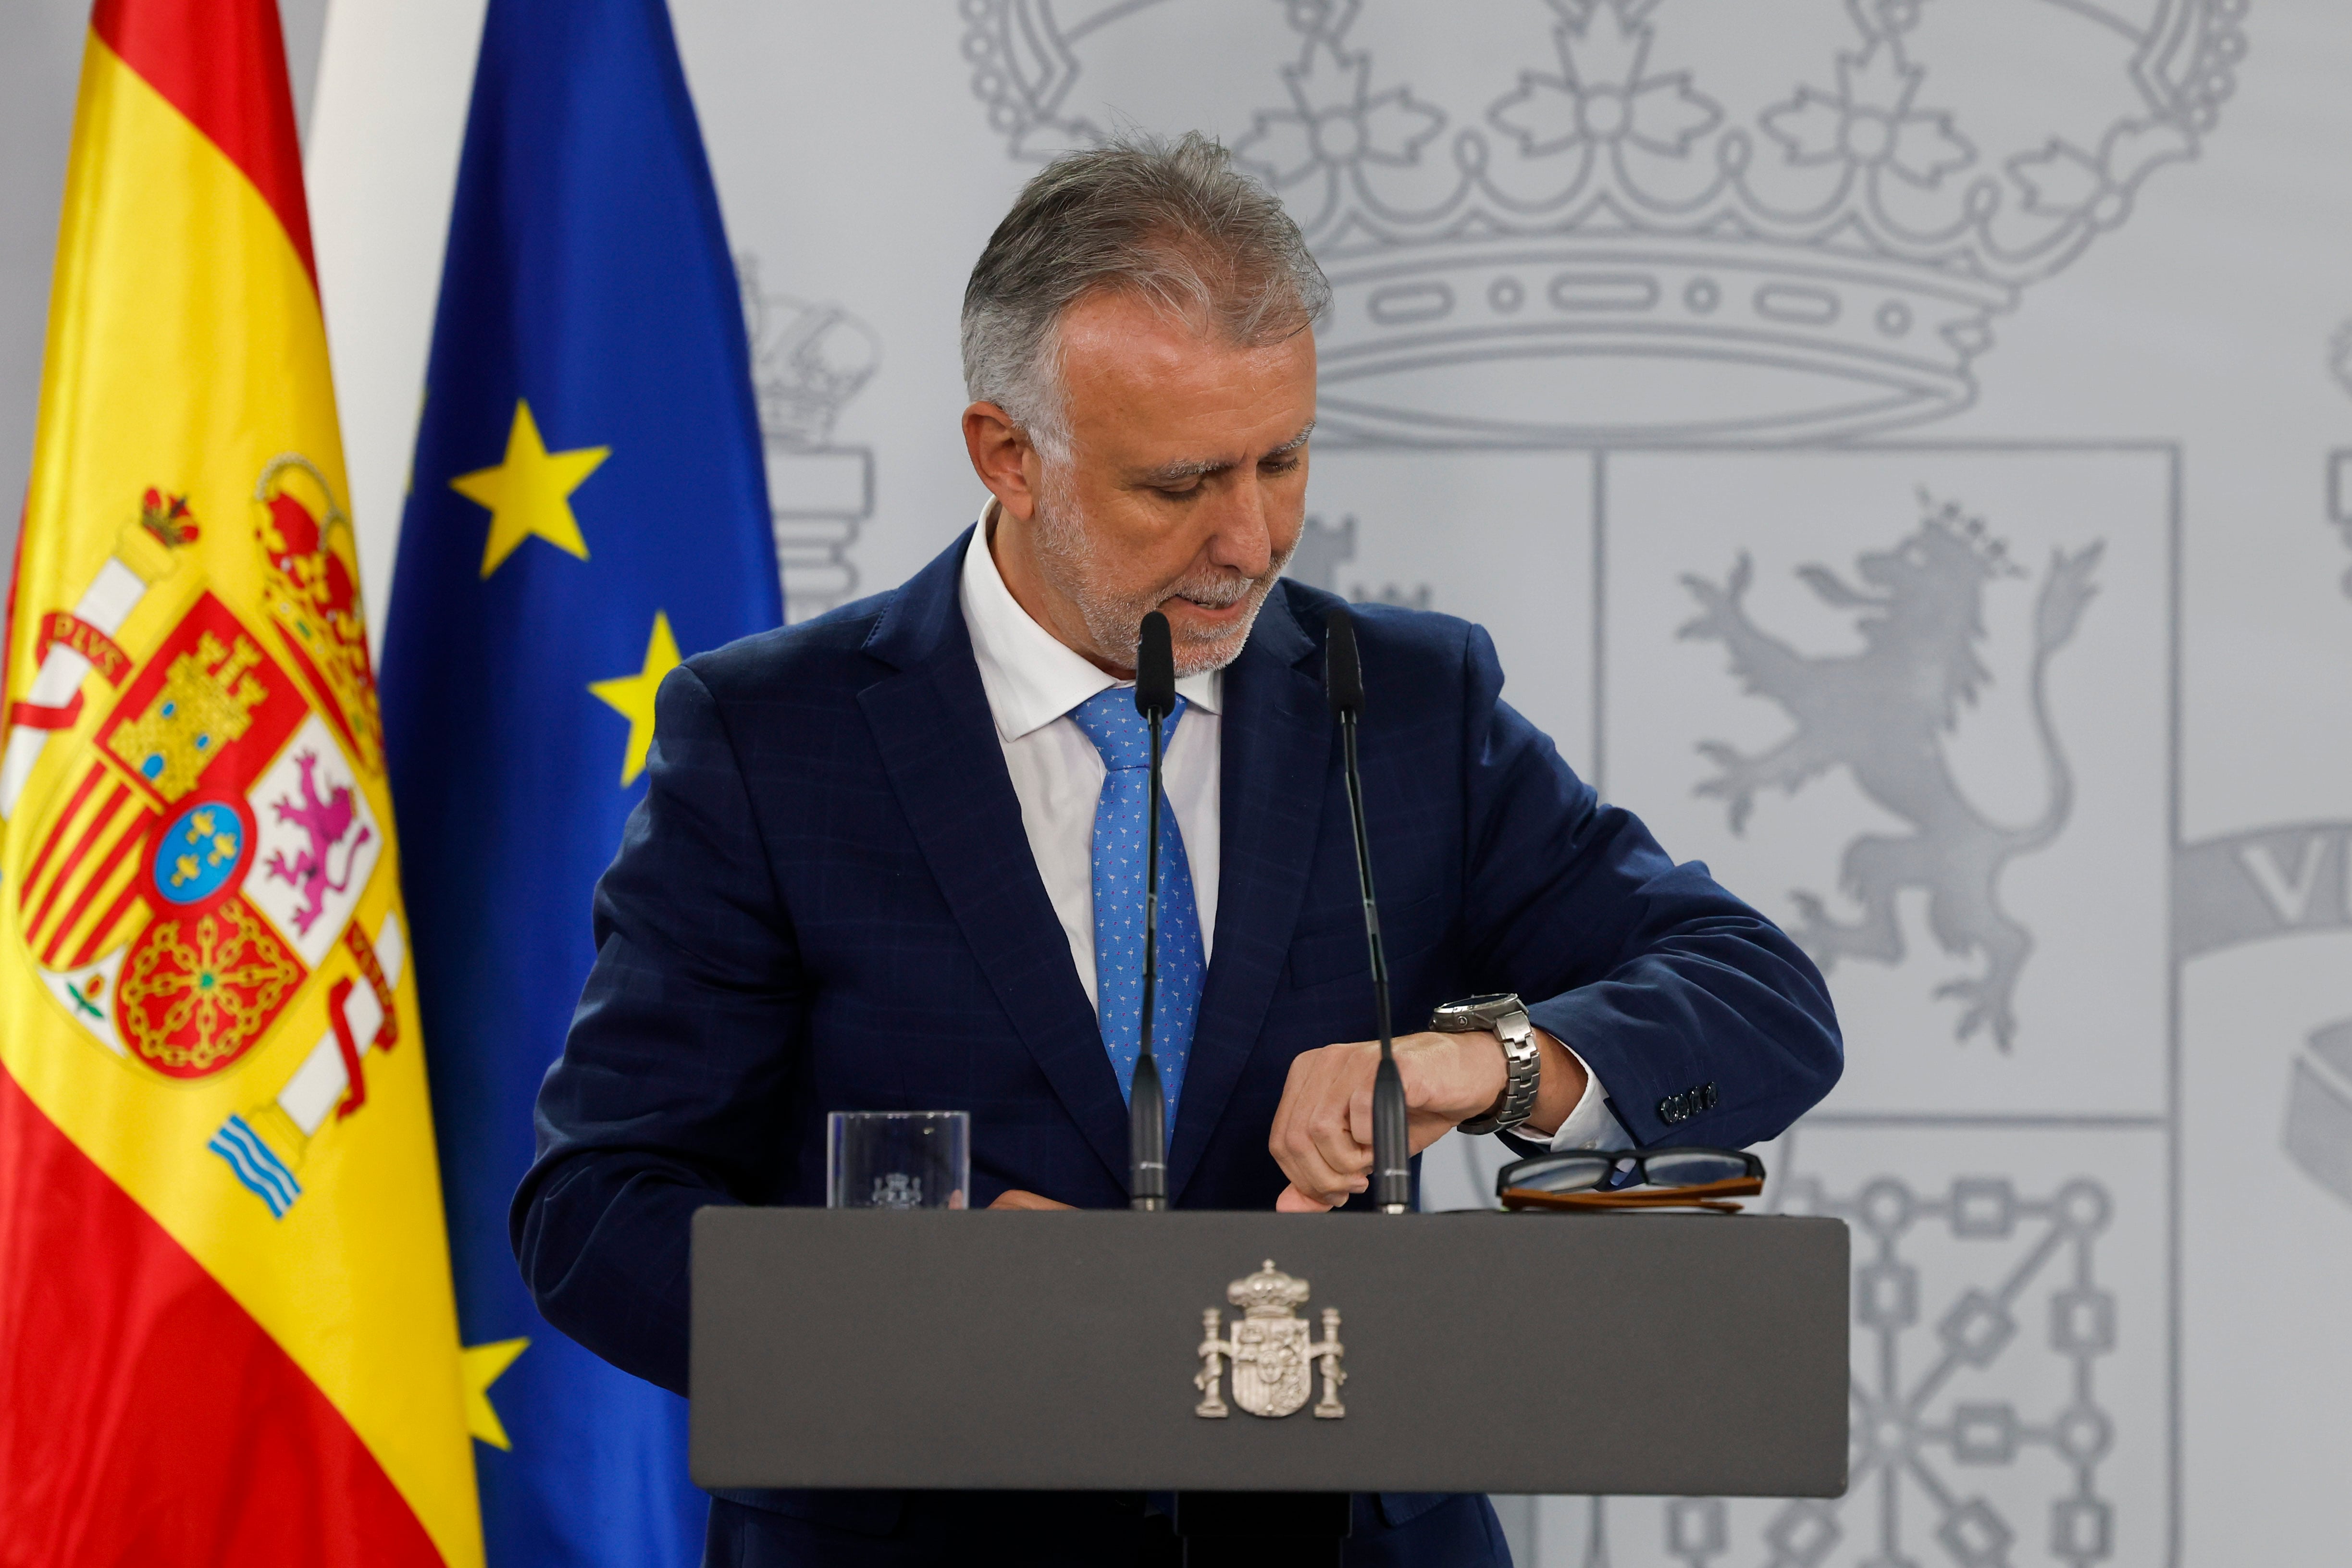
(1522, 1056)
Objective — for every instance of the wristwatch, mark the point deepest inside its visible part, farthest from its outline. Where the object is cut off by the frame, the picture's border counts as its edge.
(1522, 1056)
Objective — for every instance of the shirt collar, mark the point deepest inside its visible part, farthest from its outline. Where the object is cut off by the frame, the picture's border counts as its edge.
(1031, 677)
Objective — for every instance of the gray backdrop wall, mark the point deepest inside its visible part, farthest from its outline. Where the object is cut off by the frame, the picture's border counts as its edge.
(1901, 448)
(40, 66)
(1894, 444)
(41, 56)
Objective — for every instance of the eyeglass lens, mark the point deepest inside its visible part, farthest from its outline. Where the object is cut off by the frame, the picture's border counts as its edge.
(1693, 1169)
(1566, 1173)
(1583, 1172)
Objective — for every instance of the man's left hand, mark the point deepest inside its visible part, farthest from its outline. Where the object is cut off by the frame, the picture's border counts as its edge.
(1322, 1135)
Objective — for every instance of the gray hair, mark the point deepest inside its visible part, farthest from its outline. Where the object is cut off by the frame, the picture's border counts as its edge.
(1172, 221)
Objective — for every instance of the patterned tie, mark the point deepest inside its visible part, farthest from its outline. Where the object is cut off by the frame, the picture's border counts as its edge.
(1121, 733)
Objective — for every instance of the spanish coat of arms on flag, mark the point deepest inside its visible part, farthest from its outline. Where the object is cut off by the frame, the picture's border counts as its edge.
(227, 1329)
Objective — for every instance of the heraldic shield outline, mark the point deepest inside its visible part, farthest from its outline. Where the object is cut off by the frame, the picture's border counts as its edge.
(1271, 1357)
(149, 901)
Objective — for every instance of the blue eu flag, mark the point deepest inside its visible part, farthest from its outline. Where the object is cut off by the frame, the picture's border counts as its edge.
(588, 503)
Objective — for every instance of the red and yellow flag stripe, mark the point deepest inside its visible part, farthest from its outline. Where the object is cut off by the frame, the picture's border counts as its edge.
(226, 1327)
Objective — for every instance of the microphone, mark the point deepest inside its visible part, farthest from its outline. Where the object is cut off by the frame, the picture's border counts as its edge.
(1147, 1116)
(1343, 688)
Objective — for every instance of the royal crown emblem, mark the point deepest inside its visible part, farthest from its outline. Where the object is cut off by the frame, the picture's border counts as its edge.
(1269, 1350)
(310, 584)
(1585, 221)
(808, 361)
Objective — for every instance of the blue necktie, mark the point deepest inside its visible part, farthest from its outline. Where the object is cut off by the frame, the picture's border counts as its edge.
(1121, 733)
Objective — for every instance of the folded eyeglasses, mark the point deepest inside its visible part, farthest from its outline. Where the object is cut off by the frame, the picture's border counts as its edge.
(1600, 1179)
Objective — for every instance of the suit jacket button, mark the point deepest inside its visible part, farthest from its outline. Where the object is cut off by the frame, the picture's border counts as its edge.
(1707, 1097)
(1666, 1111)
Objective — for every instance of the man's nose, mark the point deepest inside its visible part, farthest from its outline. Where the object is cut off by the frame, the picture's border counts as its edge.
(1243, 542)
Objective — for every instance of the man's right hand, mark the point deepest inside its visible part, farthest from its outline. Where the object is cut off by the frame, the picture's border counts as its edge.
(1014, 1197)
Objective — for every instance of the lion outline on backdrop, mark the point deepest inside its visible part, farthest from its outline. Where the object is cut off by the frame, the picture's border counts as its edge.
(1883, 714)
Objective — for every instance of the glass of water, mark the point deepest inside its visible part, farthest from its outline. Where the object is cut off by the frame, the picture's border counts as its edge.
(897, 1159)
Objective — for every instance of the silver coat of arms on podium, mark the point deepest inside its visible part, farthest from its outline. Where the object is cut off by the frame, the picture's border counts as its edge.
(1270, 1351)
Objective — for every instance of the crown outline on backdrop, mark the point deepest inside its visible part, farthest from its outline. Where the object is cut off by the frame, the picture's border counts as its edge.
(1845, 241)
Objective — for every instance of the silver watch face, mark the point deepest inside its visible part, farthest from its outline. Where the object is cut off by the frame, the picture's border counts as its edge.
(1489, 1012)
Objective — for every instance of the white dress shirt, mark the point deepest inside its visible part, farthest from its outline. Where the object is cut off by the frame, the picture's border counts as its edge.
(1032, 681)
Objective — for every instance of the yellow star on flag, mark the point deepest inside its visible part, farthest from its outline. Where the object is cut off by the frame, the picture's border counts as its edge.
(633, 696)
(530, 492)
(480, 1365)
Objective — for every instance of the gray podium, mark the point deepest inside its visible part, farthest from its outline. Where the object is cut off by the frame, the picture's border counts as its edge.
(1683, 1354)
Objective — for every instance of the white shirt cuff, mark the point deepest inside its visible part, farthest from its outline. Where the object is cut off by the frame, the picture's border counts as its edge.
(1591, 1125)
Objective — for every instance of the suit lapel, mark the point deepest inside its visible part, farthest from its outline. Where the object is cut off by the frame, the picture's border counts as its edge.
(931, 721)
(1272, 779)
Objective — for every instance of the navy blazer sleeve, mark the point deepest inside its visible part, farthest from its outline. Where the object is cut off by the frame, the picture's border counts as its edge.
(669, 1092)
(1659, 978)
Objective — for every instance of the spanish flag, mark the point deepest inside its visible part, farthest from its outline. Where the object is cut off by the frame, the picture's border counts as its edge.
(226, 1330)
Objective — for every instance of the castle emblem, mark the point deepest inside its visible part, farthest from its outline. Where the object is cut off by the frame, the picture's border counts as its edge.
(1269, 1351)
(1883, 713)
(205, 705)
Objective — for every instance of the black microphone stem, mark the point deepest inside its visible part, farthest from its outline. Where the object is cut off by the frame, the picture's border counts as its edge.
(1147, 1126)
(1147, 1100)
(1391, 1165)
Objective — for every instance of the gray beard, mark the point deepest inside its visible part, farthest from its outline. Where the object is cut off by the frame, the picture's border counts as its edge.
(1067, 555)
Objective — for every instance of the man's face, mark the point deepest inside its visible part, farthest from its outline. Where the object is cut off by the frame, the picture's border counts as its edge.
(1183, 490)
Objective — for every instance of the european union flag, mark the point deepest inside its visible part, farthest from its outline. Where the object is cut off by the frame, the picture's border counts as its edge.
(588, 503)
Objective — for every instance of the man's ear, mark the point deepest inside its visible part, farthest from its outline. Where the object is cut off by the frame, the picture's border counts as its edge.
(1002, 457)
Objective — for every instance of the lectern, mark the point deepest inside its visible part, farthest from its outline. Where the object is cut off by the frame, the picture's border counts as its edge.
(1214, 1355)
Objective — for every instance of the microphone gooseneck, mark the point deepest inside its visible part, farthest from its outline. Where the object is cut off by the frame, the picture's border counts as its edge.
(1147, 1115)
(1343, 687)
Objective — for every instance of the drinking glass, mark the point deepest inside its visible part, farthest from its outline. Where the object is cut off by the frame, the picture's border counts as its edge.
(897, 1159)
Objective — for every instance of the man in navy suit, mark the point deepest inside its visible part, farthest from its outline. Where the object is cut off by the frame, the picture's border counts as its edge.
(887, 862)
